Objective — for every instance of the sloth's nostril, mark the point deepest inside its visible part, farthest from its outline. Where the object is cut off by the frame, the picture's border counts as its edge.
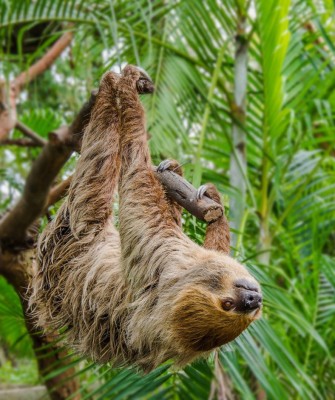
(248, 300)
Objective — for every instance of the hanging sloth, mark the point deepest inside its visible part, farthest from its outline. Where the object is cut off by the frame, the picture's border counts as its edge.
(147, 293)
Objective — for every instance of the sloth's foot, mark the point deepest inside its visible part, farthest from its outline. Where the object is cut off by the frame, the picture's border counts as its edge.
(210, 191)
(144, 84)
(170, 165)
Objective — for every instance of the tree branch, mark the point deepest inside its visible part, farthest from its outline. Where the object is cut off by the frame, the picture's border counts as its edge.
(45, 62)
(180, 190)
(8, 118)
(14, 225)
(58, 192)
(7, 110)
(30, 133)
(19, 142)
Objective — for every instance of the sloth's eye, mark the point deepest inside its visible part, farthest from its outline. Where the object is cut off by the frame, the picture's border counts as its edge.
(227, 305)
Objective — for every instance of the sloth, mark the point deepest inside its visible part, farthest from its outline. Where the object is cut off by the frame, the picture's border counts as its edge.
(147, 293)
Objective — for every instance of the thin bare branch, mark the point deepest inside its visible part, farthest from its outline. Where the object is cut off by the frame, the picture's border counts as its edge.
(58, 191)
(19, 143)
(8, 118)
(30, 133)
(45, 62)
(7, 110)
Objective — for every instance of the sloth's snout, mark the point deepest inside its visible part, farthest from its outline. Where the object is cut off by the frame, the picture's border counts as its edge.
(249, 296)
(247, 284)
(250, 300)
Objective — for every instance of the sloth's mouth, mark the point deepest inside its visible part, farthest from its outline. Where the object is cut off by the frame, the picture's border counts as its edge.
(255, 312)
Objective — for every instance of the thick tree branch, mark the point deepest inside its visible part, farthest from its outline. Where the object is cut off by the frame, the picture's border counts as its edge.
(14, 225)
(180, 190)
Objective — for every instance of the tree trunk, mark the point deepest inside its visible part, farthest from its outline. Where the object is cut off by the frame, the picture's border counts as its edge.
(238, 163)
(18, 269)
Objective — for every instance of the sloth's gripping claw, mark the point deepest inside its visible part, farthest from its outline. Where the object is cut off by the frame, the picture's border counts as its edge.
(170, 165)
(210, 191)
(144, 84)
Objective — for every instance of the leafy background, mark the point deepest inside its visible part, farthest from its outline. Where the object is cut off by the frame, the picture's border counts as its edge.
(285, 231)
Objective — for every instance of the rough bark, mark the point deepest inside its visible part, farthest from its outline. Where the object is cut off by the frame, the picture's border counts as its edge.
(180, 190)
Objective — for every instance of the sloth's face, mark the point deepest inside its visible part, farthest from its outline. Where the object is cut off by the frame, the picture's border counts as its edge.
(217, 301)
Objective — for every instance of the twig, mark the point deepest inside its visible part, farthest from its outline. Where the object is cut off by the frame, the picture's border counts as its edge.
(8, 118)
(45, 62)
(19, 142)
(30, 133)
(59, 191)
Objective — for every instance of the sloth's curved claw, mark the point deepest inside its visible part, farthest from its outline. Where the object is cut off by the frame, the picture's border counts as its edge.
(144, 83)
(171, 165)
(201, 192)
(210, 191)
(164, 165)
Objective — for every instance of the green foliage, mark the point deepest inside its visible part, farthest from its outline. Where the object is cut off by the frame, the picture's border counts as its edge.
(13, 331)
(288, 236)
(25, 373)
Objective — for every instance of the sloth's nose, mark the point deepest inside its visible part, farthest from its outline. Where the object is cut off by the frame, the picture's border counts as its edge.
(250, 300)
(249, 295)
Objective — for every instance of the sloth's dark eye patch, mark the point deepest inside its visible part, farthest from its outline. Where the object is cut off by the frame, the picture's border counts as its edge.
(214, 282)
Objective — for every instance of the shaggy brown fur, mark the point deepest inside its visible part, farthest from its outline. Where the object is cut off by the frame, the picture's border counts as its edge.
(180, 315)
(162, 296)
(217, 232)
